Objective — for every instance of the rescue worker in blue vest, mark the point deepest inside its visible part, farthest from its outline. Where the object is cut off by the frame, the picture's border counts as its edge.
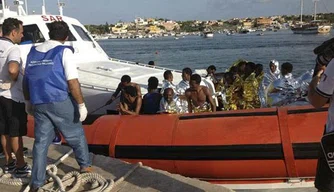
(53, 96)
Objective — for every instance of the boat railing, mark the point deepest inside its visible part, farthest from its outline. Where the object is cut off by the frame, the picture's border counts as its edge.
(94, 87)
(113, 70)
(95, 73)
(144, 65)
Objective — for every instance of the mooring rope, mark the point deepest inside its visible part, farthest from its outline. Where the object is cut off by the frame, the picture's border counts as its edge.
(70, 182)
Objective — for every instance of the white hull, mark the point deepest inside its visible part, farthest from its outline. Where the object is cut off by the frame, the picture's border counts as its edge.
(324, 29)
(208, 35)
(99, 80)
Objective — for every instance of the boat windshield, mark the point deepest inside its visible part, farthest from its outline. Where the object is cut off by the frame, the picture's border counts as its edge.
(83, 34)
(32, 34)
(70, 37)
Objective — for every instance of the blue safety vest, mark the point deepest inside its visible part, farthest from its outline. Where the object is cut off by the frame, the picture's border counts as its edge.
(45, 77)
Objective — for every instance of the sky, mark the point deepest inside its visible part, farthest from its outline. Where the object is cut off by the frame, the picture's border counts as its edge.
(112, 11)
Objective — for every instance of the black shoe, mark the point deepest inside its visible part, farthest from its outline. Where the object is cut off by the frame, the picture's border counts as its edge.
(11, 167)
(23, 171)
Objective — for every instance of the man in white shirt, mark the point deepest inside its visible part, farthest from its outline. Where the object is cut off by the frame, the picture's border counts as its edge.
(167, 82)
(51, 86)
(13, 119)
(182, 87)
(321, 89)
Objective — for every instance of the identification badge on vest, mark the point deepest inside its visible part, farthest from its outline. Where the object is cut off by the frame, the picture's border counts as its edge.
(327, 144)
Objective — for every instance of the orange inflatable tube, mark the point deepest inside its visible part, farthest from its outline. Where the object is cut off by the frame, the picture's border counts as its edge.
(263, 143)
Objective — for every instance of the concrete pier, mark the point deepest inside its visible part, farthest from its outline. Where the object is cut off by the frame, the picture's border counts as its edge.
(142, 179)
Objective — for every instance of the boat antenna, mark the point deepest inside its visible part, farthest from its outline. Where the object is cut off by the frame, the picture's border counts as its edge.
(3, 8)
(43, 8)
(301, 10)
(26, 5)
(20, 10)
(315, 9)
(60, 6)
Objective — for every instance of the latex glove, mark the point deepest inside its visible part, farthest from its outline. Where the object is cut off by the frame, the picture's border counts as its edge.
(82, 111)
(28, 107)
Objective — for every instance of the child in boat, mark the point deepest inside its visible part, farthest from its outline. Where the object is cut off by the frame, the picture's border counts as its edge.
(199, 97)
(168, 81)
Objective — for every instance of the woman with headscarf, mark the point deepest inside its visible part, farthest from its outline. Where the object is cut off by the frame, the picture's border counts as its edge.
(272, 74)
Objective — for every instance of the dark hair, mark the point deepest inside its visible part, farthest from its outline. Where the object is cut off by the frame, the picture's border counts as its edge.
(242, 63)
(229, 74)
(126, 79)
(151, 63)
(287, 66)
(153, 83)
(212, 67)
(132, 91)
(59, 30)
(196, 77)
(259, 67)
(167, 74)
(168, 89)
(187, 70)
(9, 25)
(234, 69)
(251, 65)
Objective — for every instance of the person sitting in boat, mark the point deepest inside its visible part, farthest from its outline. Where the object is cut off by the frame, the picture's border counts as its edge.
(199, 97)
(125, 81)
(211, 70)
(182, 87)
(169, 103)
(151, 100)
(250, 88)
(237, 83)
(283, 90)
(259, 75)
(167, 82)
(131, 102)
(230, 96)
(241, 68)
(234, 70)
(272, 74)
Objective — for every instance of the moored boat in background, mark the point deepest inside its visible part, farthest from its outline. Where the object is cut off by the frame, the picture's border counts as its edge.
(208, 34)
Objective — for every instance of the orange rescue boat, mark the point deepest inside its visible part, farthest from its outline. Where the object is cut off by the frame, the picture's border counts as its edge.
(273, 144)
